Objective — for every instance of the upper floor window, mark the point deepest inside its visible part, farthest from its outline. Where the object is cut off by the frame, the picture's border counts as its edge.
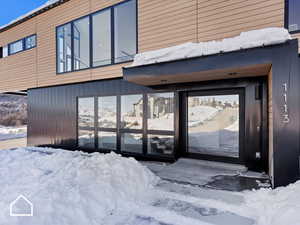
(30, 42)
(64, 46)
(81, 38)
(102, 38)
(18, 46)
(125, 31)
(293, 15)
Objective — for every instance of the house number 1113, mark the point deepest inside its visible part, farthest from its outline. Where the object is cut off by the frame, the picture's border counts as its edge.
(286, 118)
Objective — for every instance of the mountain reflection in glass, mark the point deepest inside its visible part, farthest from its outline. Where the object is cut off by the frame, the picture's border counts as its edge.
(161, 111)
(213, 125)
(132, 111)
(86, 112)
(107, 107)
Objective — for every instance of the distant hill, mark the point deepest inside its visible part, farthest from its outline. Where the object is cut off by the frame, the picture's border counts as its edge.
(13, 110)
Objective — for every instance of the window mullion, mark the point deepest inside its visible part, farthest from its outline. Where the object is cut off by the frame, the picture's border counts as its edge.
(112, 35)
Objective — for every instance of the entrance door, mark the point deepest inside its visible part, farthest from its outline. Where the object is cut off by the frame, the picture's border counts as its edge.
(215, 124)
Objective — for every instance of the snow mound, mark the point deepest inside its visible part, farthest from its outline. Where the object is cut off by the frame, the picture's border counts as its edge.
(274, 207)
(70, 187)
(246, 40)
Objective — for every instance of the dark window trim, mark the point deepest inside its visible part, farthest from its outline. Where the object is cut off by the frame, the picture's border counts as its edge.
(91, 43)
(120, 131)
(23, 45)
(286, 18)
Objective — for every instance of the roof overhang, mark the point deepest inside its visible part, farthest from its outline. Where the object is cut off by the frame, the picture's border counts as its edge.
(237, 64)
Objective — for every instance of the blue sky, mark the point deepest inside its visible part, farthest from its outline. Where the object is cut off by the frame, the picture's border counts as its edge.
(12, 9)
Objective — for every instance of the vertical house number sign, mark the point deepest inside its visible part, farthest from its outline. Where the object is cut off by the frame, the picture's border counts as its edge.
(286, 118)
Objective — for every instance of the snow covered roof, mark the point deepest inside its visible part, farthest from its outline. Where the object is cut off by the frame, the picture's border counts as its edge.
(246, 40)
(48, 5)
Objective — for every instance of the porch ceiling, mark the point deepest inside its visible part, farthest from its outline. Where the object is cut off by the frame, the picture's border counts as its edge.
(215, 74)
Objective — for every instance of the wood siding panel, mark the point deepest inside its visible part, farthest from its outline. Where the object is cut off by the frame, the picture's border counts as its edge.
(223, 19)
(166, 23)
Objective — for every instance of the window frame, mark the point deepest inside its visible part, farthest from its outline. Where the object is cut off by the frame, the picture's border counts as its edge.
(23, 46)
(121, 131)
(111, 8)
(25, 39)
(286, 18)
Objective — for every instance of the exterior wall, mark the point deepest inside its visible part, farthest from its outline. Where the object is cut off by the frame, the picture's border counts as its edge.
(160, 24)
(270, 122)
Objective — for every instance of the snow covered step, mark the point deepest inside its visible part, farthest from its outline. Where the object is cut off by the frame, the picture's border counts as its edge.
(204, 214)
(200, 193)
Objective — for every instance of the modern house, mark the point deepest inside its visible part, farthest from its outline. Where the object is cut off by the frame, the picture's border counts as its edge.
(234, 101)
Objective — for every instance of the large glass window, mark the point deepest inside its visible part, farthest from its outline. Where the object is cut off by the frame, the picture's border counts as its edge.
(294, 15)
(213, 125)
(161, 111)
(132, 111)
(81, 37)
(107, 112)
(86, 112)
(107, 122)
(112, 41)
(16, 47)
(102, 38)
(125, 31)
(86, 122)
(64, 48)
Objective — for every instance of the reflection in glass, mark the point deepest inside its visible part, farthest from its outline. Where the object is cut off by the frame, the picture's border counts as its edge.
(107, 112)
(213, 125)
(132, 143)
(161, 111)
(30, 42)
(294, 15)
(64, 44)
(86, 112)
(81, 43)
(107, 140)
(102, 38)
(132, 111)
(125, 31)
(86, 138)
(160, 144)
(16, 47)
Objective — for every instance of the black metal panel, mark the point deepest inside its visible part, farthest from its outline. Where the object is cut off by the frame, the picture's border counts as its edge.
(52, 111)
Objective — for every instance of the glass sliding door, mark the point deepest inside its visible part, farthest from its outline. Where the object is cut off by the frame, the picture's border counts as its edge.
(213, 123)
(132, 123)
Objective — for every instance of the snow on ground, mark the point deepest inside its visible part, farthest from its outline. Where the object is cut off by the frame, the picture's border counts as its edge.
(7, 133)
(70, 188)
(246, 40)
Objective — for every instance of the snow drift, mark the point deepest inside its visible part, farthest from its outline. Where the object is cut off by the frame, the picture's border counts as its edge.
(70, 187)
(246, 40)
